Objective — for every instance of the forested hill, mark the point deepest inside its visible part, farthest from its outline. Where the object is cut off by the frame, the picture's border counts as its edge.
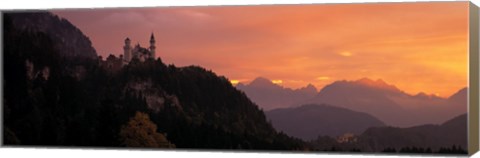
(53, 100)
(66, 38)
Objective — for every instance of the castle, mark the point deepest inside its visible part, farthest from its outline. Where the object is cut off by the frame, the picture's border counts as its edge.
(114, 64)
(138, 52)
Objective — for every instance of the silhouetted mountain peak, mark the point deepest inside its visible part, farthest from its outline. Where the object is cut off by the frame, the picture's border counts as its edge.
(460, 94)
(363, 84)
(365, 80)
(269, 95)
(379, 83)
(423, 95)
(261, 81)
(308, 89)
(311, 86)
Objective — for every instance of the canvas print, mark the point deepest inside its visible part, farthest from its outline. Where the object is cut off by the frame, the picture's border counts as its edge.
(368, 78)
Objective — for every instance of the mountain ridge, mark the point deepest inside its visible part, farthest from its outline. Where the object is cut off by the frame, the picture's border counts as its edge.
(66, 37)
(390, 104)
(377, 97)
(270, 96)
(311, 120)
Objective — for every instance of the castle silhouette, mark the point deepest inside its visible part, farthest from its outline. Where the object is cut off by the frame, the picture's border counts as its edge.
(138, 52)
(113, 64)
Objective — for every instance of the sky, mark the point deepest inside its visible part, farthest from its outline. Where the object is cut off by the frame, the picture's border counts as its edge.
(418, 47)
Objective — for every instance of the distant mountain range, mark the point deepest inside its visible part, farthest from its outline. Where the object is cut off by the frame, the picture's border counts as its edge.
(390, 104)
(270, 96)
(376, 97)
(309, 121)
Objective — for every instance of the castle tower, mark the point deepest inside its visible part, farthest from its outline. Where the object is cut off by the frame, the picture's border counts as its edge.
(152, 46)
(127, 50)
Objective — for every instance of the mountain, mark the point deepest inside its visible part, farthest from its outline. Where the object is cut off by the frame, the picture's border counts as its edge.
(449, 137)
(270, 96)
(390, 104)
(309, 121)
(459, 98)
(67, 38)
(47, 104)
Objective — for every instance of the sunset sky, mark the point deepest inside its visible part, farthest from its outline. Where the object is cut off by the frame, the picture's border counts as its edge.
(419, 47)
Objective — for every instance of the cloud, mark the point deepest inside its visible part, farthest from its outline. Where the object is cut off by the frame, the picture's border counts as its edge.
(323, 78)
(277, 81)
(345, 54)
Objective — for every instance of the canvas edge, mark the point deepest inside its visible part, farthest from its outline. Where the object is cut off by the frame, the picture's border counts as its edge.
(1, 84)
(473, 99)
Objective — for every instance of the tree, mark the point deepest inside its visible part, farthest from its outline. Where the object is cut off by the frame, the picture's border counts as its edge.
(140, 131)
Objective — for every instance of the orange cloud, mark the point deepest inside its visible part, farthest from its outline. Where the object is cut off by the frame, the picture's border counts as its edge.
(345, 54)
(323, 78)
(277, 81)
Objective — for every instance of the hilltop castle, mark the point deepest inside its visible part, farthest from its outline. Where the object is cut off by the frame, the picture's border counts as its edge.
(114, 64)
(138, 52)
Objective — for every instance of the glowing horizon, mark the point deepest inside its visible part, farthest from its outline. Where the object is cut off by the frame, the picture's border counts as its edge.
(418, 47)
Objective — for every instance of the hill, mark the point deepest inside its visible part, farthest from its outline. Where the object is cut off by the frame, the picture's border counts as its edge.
(309, 121)
(66, 38)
